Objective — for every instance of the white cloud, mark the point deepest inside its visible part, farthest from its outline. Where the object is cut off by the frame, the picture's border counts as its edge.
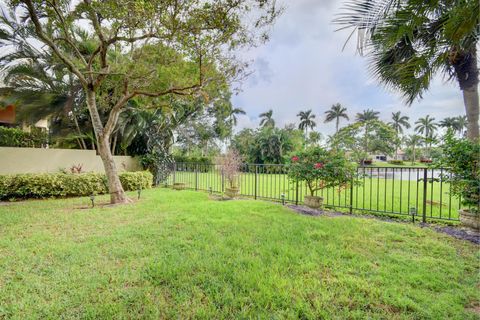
(303, 67)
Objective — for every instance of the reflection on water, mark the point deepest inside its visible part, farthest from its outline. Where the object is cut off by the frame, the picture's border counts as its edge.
(412, 174)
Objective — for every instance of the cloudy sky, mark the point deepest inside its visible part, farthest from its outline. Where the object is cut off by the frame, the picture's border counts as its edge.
(303, 67)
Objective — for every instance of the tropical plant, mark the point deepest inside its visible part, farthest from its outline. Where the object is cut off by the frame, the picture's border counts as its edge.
(306, 121)
(462, 157)
(38, 85)
(365, 118)
(320, 169)
(409, 41)
(131, 55)
(362, 139)
(367, 115)
(398, 123)
(266, 119)
(427, 127)
(413, 141)
(267, 145)
(314, 138)
(449, 123)
(462, 124)
(273, 144)
(336, 112)
(233, 115)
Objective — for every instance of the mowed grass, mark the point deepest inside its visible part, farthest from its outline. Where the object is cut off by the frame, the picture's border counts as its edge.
(180, 255)
(393, 195)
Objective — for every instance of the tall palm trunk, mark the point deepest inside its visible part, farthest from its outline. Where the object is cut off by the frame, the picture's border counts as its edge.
(396, 146)
(337, 122)
(465, 65)
(414, 155)
(117, 194)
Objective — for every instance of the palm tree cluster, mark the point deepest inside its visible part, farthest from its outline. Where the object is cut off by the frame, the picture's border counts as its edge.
(425, 128)
(408, 42)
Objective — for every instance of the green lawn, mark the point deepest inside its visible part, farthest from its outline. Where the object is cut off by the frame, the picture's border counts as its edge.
(177, 254)
(391, 196)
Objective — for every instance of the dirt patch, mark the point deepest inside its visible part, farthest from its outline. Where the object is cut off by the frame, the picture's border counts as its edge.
(306, 210)
(460, 233)
(453, 231)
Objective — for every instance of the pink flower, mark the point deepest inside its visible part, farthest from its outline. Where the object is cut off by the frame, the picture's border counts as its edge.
(318, 165)
(294, 158)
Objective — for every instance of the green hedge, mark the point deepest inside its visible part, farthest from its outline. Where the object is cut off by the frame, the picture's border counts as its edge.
(397, 162)
(198, 160)
(14, 137)
(48, 185)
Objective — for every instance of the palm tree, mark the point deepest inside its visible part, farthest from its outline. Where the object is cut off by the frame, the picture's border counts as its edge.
(398, 123)
(306, 121)
(462, 124)
(427, 127)
(314, 138)
(367, 115)
(413, 141)
(408, 42)
(40, 86)
(450, 123)
(335, 113)
(266, 119)
(233, 115)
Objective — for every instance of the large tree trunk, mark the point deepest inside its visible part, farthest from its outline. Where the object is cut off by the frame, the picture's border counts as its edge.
(470, 99)
(465, 65)
(117, 194)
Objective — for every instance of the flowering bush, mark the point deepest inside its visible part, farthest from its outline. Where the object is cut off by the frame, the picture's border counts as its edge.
(230, 164)
(320, 169)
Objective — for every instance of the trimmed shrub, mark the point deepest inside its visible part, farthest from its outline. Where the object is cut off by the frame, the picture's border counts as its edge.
(55, 185)
(397, 162)
(14, 137)
(136, 180)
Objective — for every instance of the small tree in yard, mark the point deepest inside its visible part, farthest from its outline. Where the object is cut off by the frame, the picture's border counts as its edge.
(462, 158)
(230, 164)
(145, 49)
(320, 169)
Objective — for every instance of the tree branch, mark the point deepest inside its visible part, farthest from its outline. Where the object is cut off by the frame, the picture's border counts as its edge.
(51, 44)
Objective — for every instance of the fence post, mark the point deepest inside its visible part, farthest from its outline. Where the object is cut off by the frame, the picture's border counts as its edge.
(196, 177)
(174, 171)
(296, 192)
(424, 209)
(256, 181)
(351, 196)
(223, 181)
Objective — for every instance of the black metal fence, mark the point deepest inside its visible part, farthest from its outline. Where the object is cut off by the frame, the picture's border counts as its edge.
(421, 193)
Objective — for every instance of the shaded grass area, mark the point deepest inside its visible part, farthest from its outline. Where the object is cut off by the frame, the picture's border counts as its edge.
(181, 255)
(394, 194)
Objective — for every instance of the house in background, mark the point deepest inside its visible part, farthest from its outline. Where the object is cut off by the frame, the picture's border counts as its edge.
(401, 155)
(8, 119)
(7, 116)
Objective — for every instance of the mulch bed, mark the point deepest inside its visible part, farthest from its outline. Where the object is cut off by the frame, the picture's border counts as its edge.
(460, 233)
(456, 232)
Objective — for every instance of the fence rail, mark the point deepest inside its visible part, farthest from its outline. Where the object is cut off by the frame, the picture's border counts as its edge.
(421, 193)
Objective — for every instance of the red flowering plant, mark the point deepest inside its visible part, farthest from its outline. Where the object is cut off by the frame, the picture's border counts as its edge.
(320, 169)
